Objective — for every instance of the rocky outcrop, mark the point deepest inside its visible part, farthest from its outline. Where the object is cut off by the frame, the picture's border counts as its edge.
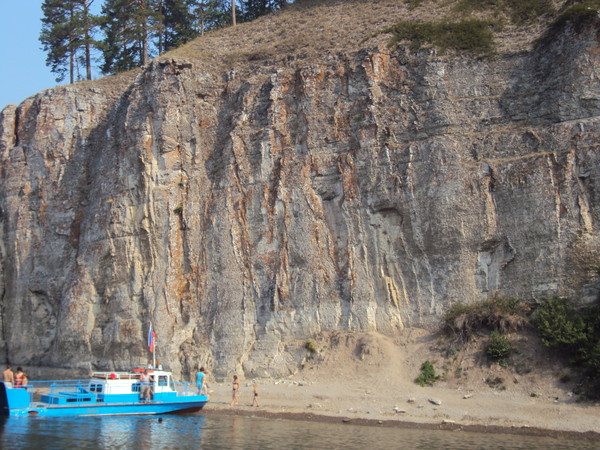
(244, 213)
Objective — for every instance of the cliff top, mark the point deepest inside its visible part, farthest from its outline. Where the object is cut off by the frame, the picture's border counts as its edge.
(314, 28)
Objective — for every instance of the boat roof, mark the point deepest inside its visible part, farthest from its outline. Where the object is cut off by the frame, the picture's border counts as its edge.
(133, 374)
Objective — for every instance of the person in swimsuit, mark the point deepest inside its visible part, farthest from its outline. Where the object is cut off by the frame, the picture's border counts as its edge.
(20, 378)
(236, 389)
(146, 388)
(255, 397)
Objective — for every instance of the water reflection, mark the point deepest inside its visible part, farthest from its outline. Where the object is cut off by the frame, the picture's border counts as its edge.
(206, 431)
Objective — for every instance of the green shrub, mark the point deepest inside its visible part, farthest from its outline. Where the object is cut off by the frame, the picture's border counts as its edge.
(469, 35)
(499, 346)
(574, 332)
(558, 325)
(412, 4)
(528, 10)
(178, 210)
(427, 376)
(310, 346)
(494, 382)
(578, 15)
(519, 11)
(499, 313)
(596, 267)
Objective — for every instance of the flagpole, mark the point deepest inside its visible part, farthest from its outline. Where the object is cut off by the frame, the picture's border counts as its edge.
(151, 344)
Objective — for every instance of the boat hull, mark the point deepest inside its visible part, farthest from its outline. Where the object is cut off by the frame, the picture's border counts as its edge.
(17, 402)
(116, 409)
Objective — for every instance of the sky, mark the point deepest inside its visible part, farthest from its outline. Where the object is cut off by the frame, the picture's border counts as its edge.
(23, 70)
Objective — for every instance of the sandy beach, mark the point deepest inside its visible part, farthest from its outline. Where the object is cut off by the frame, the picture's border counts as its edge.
(369, 379)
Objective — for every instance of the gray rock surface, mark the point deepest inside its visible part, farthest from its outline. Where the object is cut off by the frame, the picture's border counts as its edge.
(242, 214)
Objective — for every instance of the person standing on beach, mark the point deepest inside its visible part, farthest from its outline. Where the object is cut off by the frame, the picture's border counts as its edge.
(255, 396)
(9, 376)
(200, 382)
(236, 390)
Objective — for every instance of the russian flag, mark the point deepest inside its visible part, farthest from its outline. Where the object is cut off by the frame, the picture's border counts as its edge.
(151, 337)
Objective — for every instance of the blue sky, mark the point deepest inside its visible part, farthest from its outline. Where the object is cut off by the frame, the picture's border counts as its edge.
(23, 70)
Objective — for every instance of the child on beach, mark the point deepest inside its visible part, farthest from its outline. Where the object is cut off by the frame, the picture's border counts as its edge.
(255, 396)
(236, 389)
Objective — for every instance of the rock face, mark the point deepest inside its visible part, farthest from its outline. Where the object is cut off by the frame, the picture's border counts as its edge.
(242, 214)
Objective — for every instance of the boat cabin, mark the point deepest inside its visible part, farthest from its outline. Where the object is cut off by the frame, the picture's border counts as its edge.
(114, 387)
(113, 383)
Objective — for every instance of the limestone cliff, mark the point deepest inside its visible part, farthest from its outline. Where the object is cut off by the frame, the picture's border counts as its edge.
(244, 212)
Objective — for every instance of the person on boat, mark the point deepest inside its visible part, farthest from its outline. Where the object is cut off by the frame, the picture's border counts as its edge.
(236, 390)
(9, 376)
(20, 378)
(145, 380)
(255, 396)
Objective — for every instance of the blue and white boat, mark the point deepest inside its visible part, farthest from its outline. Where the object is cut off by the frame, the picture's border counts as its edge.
(105, 393)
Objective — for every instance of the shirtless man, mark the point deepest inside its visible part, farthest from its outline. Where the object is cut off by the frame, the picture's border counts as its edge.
(145, 382)
(9, 376)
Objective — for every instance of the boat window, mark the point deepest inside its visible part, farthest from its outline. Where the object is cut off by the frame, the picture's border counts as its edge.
(80, 399)
(135, 387)
(96, 387)
(162, 380)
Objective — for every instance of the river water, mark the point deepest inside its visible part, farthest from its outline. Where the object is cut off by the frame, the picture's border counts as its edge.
(210, 431)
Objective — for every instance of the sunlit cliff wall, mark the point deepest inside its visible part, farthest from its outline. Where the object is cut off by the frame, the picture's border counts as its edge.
(244, 213)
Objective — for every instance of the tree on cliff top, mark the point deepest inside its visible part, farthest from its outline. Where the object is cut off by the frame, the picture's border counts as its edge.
(67, 37)
(128, 26)
(253, 9)
(133, 30)
(137, 30)
(208, 15)
(177, 23)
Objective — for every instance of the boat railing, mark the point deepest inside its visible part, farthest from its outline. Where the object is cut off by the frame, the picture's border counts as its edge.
(53, 386)
(185, 389)
(64, 387)
(116, 375)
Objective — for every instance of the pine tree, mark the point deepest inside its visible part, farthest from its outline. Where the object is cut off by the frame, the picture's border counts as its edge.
(128, 26)
(253, 9)
(177, 25)
(208, 14)
(117, 49)
(67, 36)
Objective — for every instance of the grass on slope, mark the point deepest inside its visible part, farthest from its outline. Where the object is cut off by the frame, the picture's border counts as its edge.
(320, 27)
